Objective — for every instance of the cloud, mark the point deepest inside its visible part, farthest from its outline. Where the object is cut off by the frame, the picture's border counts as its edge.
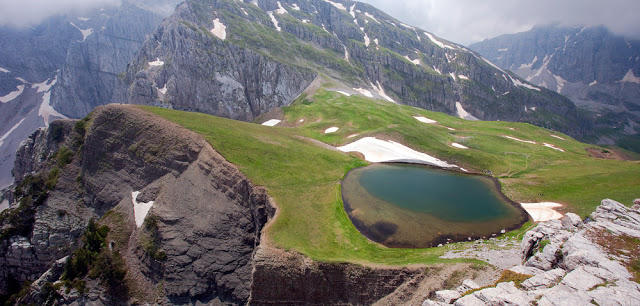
(468, 21)
(32, 12)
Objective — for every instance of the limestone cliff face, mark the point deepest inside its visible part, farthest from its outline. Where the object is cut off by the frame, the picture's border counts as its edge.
(208, 215)
(90, 72)
(238, 59)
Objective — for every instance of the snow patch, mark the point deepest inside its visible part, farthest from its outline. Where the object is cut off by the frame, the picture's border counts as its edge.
(275, 21)
(518, 83)
(219, 29)
(415, 61)
(459, 146)
(47, 111)
(463, 77)
(434, 40)
(339, 6)
(281, 10)
(371, 16)
(4, 137)
(352, 12)
(543, 211)
(156, 63)
(503, 50)
(407, 26)
(163, 90)
(332, 129)
(463, 113)
(295, 7)
(367, 41)
(437, 70)
(346, 53)
(556, 136)
(272, 122)
(85, 33)
(365, 92)
(548, 145)
(630, 77)
(518, 139)
(140, 210)
(305, 20)
(244, 11)
(376, 41)
(453, 76)
(593, 83)
(425, 120)
(83, 18)
(4, 70)
(528, 66)
(379, 151)
(381, 92)
(12, 95)
(344, 93)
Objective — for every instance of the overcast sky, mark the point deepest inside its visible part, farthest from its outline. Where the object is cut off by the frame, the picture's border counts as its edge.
(468, 21)
(32, 12)
(460, 21)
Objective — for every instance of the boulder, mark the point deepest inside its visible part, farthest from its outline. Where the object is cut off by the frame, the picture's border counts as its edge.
(570, 221)
(447, 296)
(581, 280)
(526, 270)
(544, 280)
(504, 294)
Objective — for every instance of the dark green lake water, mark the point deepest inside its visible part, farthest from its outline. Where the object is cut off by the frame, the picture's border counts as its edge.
(402, 205)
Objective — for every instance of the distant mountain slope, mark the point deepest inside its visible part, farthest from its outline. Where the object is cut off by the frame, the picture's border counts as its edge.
(596, 69)
(240, 59)
(63, 68)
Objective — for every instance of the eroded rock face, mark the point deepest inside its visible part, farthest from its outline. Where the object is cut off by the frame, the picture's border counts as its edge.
(572, 267)
(208, 215)
(287, 278)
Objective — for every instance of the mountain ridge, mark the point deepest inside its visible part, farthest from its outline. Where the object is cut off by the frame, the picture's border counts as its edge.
(595, 68)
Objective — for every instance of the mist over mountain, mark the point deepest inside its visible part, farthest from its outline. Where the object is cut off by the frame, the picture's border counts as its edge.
(598, 70)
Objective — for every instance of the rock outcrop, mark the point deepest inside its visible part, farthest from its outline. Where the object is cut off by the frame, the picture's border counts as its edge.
(208, 216)
(570, 261)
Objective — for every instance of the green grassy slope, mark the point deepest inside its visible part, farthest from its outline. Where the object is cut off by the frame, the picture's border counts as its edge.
(303, 177)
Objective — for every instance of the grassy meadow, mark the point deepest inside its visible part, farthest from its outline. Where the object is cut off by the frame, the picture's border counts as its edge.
(304, 177)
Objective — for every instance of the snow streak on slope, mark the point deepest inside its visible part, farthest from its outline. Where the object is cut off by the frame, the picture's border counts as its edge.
(85, 33)
(47, 111)
(10, 131)
(12, 95)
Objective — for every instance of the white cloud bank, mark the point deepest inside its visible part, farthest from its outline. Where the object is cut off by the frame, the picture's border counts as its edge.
(469, 21)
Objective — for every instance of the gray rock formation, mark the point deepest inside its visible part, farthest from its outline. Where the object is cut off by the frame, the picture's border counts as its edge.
(598, 70)
(575, 266)
(208, 234)
(271, 50)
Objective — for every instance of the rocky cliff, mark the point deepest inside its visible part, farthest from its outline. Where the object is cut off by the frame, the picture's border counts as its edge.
(239, 59)
(569, 260)
(206, 216)
(595, 68)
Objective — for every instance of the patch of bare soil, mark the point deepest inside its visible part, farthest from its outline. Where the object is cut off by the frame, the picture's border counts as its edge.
(606, 154)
